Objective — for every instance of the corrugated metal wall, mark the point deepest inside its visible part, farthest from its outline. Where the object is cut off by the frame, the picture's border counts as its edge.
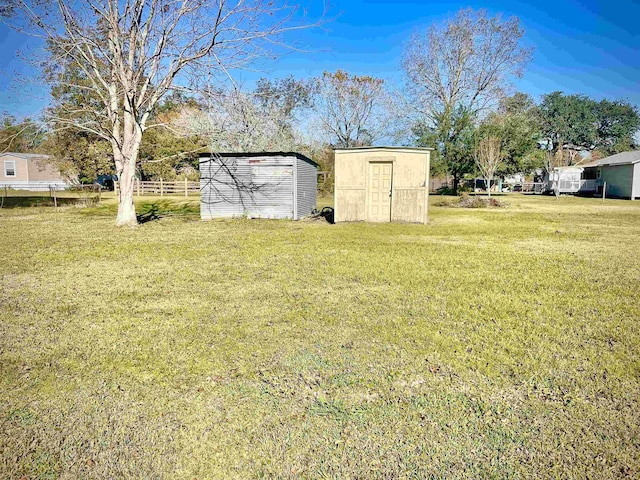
(307, 187)
(273, 196)
(255, 186)
(219, 192)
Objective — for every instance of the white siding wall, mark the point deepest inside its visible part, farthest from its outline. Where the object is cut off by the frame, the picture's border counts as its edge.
(636, 181)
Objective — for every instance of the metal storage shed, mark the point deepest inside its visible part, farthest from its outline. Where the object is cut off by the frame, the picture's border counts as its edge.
(257, 185)
(382, 184)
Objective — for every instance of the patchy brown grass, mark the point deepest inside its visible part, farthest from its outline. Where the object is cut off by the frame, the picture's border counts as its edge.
(489, 343)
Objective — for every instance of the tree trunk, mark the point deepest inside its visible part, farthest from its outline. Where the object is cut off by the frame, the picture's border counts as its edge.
(126, 208)
(488, 180)
(454, 187)
(125, 159)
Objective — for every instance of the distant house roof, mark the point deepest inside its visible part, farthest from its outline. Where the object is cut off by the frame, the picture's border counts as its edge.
(26, 156)
(589, 164)
(260, 154)
(624, 158)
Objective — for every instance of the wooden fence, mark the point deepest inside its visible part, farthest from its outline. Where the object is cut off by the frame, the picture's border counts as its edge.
(162, 188)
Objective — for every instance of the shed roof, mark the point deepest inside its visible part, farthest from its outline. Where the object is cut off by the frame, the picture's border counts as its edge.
(26, 156)
(260, 154)
(415, 149)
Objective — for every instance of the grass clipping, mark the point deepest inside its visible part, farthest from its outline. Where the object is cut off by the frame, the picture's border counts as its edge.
(475, 202)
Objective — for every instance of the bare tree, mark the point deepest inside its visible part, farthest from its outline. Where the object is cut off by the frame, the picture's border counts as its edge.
(463, 65)
(130, 53)
(352, 110)
(238, 121)
(488, 158)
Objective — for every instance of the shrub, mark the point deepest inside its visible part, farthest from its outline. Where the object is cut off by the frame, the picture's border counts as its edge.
(466, 201)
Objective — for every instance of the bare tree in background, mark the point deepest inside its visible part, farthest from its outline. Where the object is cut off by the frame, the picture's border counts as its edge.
(352, 110)
(463, 65)
(246, 121)
(130, 53)
(488, 158)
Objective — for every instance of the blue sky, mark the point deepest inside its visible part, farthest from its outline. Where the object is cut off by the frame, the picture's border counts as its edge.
(590, 47)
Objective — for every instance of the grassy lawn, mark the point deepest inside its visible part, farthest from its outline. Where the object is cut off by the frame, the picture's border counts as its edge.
(497, 343)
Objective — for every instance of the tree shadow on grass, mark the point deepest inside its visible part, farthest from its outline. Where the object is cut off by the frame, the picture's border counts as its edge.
(152, 211)
(152, 214)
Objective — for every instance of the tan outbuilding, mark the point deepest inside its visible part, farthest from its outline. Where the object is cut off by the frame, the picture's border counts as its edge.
(382, 184)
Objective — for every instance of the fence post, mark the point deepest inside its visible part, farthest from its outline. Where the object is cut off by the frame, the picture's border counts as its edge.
(604, 191)
(138, 185)
(161, 187)
(99, 193)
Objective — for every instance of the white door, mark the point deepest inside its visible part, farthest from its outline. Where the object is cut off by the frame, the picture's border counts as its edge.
(380, 174)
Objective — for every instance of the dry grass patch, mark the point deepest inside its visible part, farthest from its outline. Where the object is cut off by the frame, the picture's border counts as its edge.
(484, 344)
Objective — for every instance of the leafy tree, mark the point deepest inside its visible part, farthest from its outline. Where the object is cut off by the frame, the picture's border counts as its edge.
(517, 124)
(20, 137)
(171, 151)
(568, 121)
(84, 154)
(453, 139)
(618, 122)
(325, 157)
(79, 155)
(572, 123)
(463, 65)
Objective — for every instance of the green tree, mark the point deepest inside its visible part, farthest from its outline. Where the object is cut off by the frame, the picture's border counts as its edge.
(19, 136)
(618, 122)
(171, 151)
(79, 155)
(452, 137)
(569, 122)
(517, 124)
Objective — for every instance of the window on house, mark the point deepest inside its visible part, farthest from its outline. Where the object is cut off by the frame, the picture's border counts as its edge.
(9, 168)
(599, 174)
